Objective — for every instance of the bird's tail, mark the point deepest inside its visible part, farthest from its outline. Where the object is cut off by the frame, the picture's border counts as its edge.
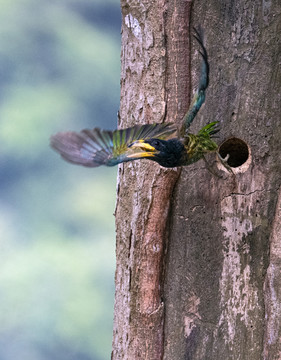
(199, 96)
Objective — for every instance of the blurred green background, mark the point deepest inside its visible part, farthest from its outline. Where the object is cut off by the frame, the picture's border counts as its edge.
(59, 71)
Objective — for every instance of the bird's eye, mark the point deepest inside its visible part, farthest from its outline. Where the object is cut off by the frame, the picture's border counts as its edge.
(156, 143)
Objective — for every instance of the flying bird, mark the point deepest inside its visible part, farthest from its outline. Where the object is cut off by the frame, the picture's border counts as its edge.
(164, 143)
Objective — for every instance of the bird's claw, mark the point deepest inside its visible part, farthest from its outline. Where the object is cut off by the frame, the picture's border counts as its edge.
(224, 162)
(212, 171)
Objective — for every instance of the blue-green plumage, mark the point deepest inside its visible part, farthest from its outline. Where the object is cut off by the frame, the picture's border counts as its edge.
(200, 94)
(102, 147)
(163, 143)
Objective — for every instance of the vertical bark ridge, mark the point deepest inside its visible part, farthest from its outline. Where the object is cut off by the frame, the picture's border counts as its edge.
(221, 286)
(154, 87)
(272, 285)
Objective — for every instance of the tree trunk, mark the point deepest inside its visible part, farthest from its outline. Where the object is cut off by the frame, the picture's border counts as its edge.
(199, 257)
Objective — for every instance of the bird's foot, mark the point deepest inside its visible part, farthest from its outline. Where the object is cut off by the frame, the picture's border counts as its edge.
(211, 169)
(225, 163)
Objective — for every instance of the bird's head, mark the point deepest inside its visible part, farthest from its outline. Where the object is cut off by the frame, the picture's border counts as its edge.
(167, 153)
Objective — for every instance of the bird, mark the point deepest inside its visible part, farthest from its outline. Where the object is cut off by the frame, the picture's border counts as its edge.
(163, 143)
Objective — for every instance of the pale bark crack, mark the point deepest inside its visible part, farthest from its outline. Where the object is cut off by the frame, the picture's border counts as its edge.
(244, 194)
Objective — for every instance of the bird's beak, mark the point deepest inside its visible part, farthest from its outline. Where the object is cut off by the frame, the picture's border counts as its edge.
(141, 149)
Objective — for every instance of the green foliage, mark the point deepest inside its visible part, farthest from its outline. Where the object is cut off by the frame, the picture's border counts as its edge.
(59, 70)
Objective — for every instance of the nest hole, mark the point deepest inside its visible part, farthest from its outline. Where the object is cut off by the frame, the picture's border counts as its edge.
(237, 150)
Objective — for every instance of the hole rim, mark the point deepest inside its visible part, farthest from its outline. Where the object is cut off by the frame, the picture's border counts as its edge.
(244, 165)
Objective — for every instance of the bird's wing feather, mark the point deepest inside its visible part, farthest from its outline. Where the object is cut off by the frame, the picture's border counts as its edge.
(96, 147)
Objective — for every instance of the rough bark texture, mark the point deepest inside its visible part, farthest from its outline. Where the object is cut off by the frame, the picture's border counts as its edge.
(154, 88)
(216, 294)
(222, 287)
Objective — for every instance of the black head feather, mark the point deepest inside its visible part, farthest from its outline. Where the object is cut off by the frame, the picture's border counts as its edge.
(169, 153)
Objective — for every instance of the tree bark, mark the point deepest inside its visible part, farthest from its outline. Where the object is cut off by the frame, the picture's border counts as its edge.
(198, 257)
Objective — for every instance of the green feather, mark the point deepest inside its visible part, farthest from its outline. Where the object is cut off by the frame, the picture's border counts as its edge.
(102, 147)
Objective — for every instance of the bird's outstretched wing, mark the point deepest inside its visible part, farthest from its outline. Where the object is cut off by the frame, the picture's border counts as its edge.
(199, 96)
(97, 147)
